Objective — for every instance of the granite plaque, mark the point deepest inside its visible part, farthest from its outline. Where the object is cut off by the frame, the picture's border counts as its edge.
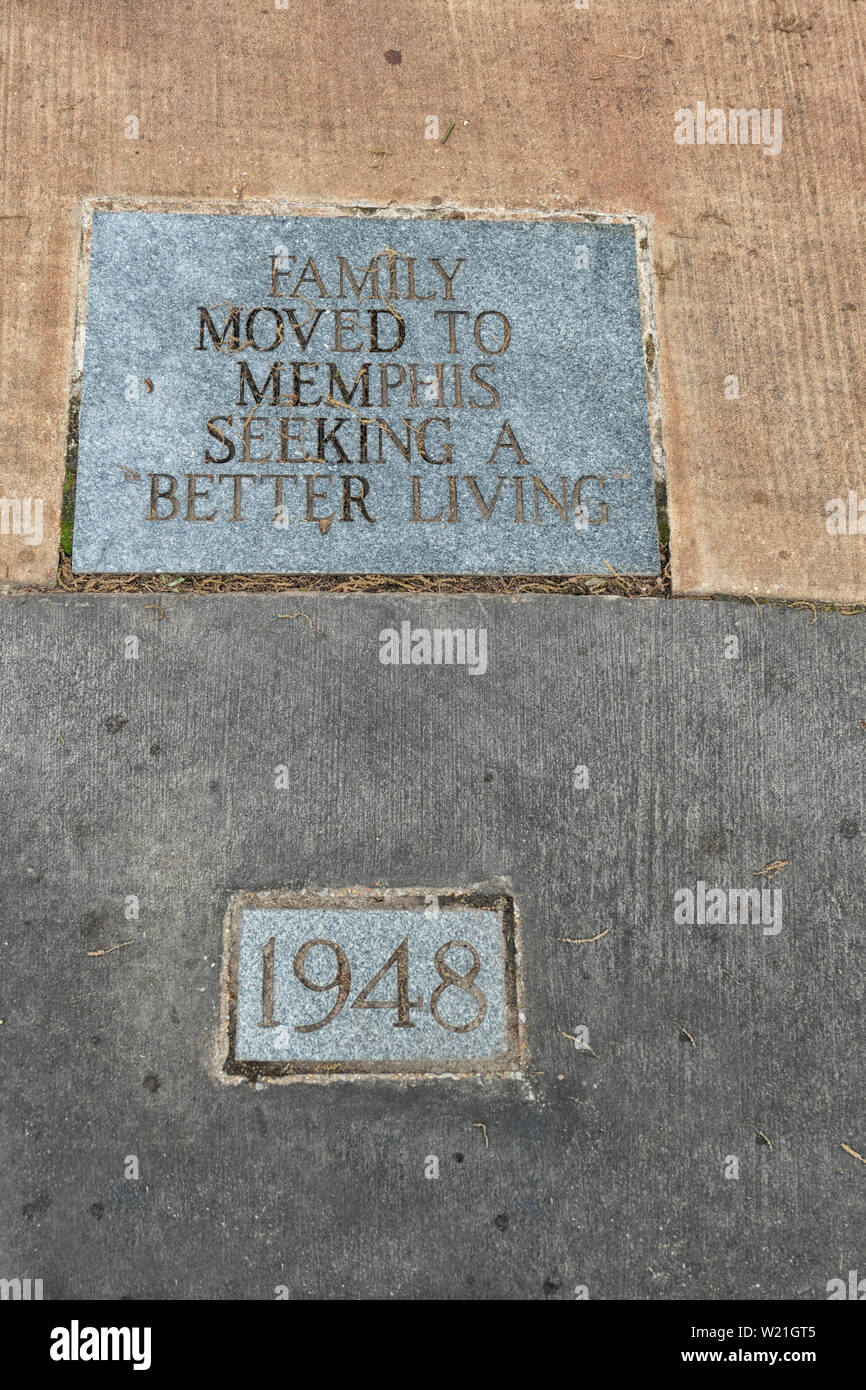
(346, 394)
(408, 985)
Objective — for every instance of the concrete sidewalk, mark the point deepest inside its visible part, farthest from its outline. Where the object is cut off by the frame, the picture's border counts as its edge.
(140, 740)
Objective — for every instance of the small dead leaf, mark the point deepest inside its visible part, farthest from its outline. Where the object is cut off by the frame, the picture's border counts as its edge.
(770, 870)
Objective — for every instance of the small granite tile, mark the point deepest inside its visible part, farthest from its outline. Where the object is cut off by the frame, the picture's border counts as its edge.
(378, 985)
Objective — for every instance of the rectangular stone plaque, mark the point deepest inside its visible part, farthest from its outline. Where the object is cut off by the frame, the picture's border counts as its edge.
(346, 394)
(402, 985)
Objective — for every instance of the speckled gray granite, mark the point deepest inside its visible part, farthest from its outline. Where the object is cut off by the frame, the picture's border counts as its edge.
(343, 395)
(610, 758)
(349, 950)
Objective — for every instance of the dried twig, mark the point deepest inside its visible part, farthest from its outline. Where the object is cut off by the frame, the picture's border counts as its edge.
(106, 950)
(581, 1046)
(685, 1031)
(313, 628)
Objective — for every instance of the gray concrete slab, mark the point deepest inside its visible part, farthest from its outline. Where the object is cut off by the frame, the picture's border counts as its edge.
(609, 758)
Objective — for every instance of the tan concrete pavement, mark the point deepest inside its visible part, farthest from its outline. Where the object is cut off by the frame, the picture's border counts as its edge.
(759, 267)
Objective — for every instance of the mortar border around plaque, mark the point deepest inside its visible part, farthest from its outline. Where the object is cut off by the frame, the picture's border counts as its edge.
(509, 1064)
